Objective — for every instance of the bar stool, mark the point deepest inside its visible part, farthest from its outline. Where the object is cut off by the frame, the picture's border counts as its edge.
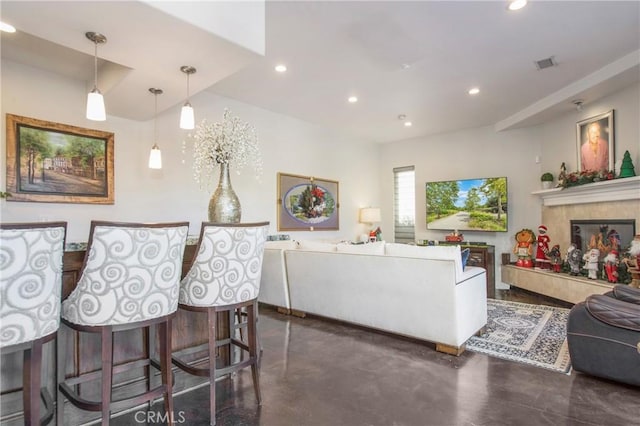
(225, 277)
(30, 286)
(130, 279)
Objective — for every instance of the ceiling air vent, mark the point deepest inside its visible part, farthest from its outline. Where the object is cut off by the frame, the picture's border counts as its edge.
(546, 63)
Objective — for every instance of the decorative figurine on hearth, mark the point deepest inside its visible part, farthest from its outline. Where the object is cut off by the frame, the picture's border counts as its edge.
(524, 248)
(633, 261)
(591, 258)
(611, 266)
(562, 176)
(542, 248)
(574, 257)
(555, 258)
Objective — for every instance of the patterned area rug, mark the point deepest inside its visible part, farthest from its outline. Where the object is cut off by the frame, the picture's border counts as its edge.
(530, 334)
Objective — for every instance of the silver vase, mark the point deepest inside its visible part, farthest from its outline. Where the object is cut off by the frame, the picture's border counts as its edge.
(224, 205)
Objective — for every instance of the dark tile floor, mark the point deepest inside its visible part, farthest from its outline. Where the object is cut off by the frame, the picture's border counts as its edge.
(319, 372)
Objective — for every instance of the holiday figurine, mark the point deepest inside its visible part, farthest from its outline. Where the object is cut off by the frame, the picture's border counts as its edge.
(574, 256)
(524, 248)
(611, 266)
(633, 261)
(555, 258)
(626, 168)
(542, 248)
(562, 176)
(591, 262)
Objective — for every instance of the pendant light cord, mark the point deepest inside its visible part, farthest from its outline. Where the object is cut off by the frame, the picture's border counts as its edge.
(95, 65)
(155, 121)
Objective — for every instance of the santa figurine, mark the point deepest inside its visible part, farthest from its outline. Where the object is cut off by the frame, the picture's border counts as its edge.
(611, 266)
(591, 263)
(542, 248)
(633, 261)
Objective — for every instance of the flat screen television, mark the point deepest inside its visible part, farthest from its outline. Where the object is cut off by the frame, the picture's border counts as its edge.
(467, 205)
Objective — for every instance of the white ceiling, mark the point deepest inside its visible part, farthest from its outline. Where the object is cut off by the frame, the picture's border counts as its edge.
(335, 49)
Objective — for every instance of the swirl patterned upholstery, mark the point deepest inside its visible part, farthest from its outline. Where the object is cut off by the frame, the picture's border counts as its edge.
(30, 281)
(130, 280)
(30, 287)
(130, 274)
(227, 266)
(224, 278)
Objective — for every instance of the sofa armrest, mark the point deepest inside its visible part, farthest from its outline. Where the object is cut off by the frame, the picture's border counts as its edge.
(614, 312)
(627, 294)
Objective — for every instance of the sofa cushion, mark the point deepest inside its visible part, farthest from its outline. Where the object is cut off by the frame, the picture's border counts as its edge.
(370, 248)
(281, 244)
(310, 245)
(442, 252)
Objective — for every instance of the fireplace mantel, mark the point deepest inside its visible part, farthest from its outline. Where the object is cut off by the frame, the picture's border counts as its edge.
(608, 190)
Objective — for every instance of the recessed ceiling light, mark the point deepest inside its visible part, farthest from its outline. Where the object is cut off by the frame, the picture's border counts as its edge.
(7, 28)
(281, 68)
(474, 91)
(516, 4)
(353, 99)
(406, 66)
(408, 124)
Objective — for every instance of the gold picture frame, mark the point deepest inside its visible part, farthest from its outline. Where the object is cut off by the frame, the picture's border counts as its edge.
(307, 203)
(58, 163)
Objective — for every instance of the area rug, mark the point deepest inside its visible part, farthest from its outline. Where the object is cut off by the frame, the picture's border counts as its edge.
(530, 334)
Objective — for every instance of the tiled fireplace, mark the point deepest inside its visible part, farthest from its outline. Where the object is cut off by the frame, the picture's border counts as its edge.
(602, 201)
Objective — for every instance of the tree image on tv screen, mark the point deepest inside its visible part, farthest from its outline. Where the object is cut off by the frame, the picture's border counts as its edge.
(473, 204)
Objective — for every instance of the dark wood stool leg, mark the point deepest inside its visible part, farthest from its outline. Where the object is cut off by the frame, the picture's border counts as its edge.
(60, 376)
(165, 367)
(31, 382)
(252, 316)
(211, 312)
(107, 373)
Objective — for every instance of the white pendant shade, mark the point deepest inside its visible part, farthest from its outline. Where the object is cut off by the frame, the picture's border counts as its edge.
(155, 158)
(95, 106)
(187, 119)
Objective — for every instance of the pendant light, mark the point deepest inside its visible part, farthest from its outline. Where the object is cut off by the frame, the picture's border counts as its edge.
(187, 120)
(155, 156)
(95, 100)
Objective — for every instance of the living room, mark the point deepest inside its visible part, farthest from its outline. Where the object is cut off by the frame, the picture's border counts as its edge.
(535, 138)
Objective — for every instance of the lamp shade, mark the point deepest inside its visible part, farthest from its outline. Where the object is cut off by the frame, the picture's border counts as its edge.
(187, 120)
(95, 106)
(155, 158)
(370, 215)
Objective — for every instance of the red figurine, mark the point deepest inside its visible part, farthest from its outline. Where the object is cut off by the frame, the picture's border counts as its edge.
(542, 248)
(611, 266)
(555, 258)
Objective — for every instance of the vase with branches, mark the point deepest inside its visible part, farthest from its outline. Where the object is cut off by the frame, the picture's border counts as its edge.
(216, 147)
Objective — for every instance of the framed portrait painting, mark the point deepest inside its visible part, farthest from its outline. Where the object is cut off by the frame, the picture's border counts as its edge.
(307, 203)
(58, 163)
(595, 140)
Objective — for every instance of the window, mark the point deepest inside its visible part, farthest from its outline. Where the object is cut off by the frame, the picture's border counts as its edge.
(404, 204)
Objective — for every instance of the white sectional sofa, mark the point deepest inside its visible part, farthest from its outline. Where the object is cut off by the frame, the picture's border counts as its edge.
(419, 292)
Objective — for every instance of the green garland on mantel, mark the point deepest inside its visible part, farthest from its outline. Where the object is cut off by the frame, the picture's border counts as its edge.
(587, 176)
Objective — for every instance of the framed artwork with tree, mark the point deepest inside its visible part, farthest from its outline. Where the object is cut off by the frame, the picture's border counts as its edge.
(58, 163)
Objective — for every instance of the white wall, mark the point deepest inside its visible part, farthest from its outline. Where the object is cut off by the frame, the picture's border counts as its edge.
(559, 141)
(482, 152)
(288, 145)
(474, 153)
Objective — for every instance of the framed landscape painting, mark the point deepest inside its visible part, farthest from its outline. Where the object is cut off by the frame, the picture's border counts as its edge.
(58, 163)
(306, 203)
